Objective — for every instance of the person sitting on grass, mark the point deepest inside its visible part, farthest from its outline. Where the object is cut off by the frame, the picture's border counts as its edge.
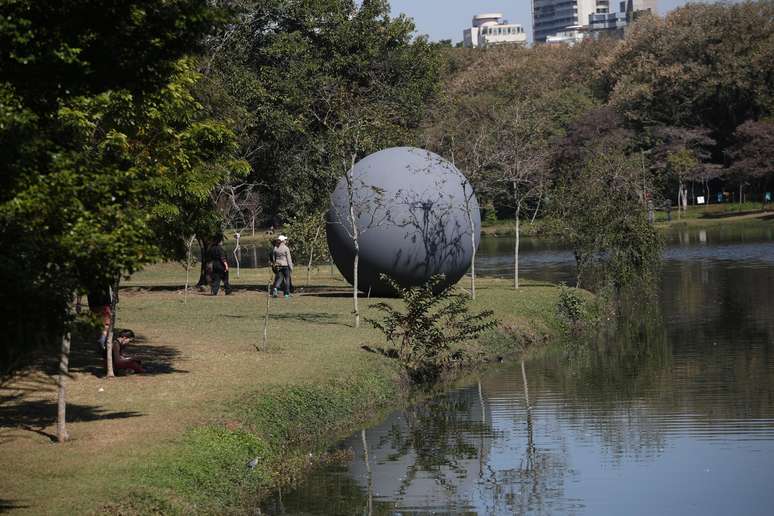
(282, 265)
(122, 361)
(100, 303)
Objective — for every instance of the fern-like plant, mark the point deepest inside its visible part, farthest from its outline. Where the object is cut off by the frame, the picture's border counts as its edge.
(436, 319)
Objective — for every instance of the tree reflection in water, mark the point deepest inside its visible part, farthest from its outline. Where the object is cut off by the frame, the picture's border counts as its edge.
(673, 386)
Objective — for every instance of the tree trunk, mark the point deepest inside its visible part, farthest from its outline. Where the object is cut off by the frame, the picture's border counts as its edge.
(237, 251)
(472, 226)
(354, 288)
(537, 208)
(188, 259)
(680, 207)
(311, 256)
(355, 238)
(473, 263)
(740, 197)
(61, 412)
(266, 319)
(109, 344)
(516, 250)
(579, 266)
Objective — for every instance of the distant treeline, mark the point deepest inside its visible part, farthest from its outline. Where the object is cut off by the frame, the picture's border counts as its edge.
(308, 84)
(688, 98)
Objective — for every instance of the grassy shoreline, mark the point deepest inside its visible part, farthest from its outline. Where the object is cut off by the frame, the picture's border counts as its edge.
(178, 439)
(710, 215)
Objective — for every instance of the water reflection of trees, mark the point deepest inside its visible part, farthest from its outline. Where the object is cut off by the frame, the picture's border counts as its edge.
(448, 441)
(438, 437)
(604, 378)
(700, 351)
(537, 484)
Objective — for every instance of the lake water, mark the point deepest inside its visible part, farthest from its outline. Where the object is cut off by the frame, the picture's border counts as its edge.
(671, 414)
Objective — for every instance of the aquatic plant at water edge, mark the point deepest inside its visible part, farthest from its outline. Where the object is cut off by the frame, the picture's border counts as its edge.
(427, 333)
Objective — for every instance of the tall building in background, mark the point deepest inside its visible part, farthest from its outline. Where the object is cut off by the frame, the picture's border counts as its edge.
(634, 8)
(551, 17)
(567, 22)
(491, 29)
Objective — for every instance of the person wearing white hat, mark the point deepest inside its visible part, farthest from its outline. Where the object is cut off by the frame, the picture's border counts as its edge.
(282, 265)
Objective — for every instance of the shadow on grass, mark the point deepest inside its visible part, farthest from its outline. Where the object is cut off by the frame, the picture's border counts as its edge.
(156, 359)
(9, 505)
(331, 294)
(36, 415)
(239, 288)
(314, 318)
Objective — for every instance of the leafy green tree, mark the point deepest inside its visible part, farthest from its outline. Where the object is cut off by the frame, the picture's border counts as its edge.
(680, 155)
(106, 147)
(499, 117)
(289, 73)
(599, 201)
(752, 156)
(703, 65)
(308, 240)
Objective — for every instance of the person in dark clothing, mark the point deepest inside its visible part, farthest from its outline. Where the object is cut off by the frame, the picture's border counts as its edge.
(219, 267)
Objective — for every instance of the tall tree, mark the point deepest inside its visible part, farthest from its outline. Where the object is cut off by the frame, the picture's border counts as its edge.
(703, 65)
(681, 154)
(752, 156)
(599, 201)
(104, 141)
(277, 70)
(499, 116)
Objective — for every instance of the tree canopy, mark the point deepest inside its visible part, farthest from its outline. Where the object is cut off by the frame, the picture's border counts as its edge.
(299, 74)
(107, 145)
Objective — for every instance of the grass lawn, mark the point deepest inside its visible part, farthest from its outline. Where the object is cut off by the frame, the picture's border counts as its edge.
(716, 213)
(181, 434)
(704, 215)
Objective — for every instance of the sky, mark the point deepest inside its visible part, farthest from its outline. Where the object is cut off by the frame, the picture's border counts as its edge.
(445, 19)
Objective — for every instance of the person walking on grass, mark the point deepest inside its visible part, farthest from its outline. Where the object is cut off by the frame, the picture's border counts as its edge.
(219, 267)
(282, 265)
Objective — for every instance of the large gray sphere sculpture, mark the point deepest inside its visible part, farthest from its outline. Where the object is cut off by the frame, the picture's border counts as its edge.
(412, 219)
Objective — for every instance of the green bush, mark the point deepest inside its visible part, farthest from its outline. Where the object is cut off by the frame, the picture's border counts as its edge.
(425, 335)
(571, 309)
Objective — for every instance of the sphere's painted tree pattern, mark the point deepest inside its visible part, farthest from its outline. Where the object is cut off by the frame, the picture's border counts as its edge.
(412, 220)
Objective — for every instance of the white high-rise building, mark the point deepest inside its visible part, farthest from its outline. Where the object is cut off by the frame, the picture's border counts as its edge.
(491, 29)
(569, 21)
(550, 17)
